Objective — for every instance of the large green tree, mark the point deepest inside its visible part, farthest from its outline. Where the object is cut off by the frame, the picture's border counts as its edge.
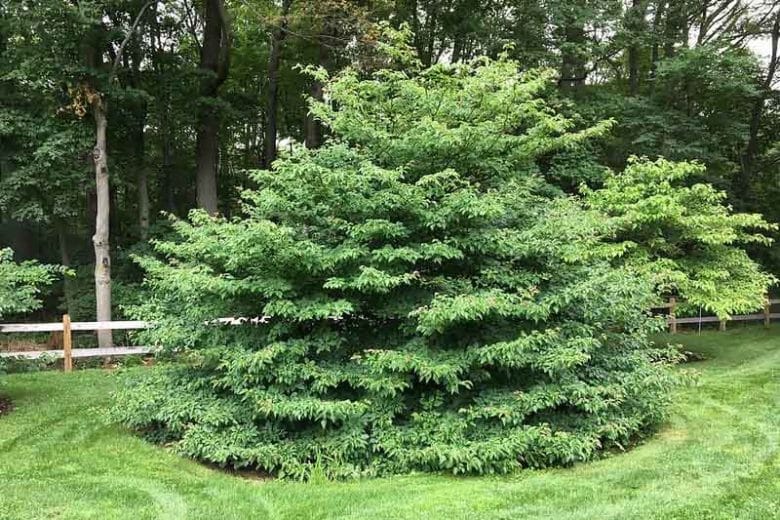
(418, 297)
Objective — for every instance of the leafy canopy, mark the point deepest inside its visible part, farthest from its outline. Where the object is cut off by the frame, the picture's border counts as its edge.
(21, 283)
(680, 233)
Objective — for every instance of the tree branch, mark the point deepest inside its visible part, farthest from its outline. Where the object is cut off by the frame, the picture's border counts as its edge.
(121, 50)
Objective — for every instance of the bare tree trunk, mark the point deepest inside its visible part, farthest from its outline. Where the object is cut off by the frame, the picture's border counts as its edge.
(167, 193)
(313, 128)
(207, 159)
(272, 103)
(214, 64)
(431, 25)
(676, 28)
(142, 171)
(101, 238)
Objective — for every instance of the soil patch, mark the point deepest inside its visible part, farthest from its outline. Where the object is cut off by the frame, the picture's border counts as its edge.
(5, 406)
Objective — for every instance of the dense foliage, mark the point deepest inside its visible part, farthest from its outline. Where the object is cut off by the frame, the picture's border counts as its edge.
(20, 288)
(680, 233)
(21, 283)
(424, 298)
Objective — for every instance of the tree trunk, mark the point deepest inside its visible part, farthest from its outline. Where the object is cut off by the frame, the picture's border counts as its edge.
(743, 182)
(214, 63)
(636, 26)
(273, 85)
(431, 24)
(660, 9)
(167, 195)
(143, 200)
(101, 238)
(573, 66)
(676, 28)
(62, 239)
(207, 158)
(312, 127)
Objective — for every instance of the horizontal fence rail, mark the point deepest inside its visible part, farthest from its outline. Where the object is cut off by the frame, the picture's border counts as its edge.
(673, 321)
(75, 326)
(66, 327)
(80, 353)
(68, 353)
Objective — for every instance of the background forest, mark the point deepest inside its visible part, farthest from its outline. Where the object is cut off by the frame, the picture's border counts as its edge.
(183, 97)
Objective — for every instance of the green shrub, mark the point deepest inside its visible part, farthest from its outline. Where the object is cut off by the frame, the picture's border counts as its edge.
(681, 235)
(21, 283)
(426, 300)
(20, 364)
(20, 286)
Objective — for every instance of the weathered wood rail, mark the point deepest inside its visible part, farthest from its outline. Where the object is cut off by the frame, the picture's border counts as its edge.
(673, 321)
(68, 353)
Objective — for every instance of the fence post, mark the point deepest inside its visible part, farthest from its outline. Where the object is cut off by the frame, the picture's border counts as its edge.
(767, 312)
(67, 345)
(672, 316)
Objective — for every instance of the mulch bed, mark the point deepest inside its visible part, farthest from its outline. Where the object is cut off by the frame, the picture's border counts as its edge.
(5, 406)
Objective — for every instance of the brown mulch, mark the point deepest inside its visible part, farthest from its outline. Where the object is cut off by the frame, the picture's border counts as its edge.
(15, 344)
(5, 406)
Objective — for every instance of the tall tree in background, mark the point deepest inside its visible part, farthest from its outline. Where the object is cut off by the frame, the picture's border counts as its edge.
(745, 180)
(99, 104)
(278, 36)
(214, 66)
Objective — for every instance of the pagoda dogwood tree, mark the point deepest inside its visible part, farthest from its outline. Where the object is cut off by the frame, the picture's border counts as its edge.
(683, 236)
(423, 298)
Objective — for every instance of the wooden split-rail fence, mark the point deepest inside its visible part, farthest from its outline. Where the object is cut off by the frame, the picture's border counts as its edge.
(68, 353)
(674, 322)
(66, 327)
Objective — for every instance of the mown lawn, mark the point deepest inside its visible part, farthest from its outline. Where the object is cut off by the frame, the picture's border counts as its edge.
(718, 457)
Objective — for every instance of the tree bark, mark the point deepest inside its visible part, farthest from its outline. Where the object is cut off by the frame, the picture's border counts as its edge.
(272, 102)
(660, 9)
(214, 65)
(142, 180)
(62, 239)
(207, 160)
(312, 127)
(676, 28)
(636, 26)
(100, 240)
(141, 165)
(167, 193)
(142, 187)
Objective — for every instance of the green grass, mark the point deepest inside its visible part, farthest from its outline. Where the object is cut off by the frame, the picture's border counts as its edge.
(718, 457)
